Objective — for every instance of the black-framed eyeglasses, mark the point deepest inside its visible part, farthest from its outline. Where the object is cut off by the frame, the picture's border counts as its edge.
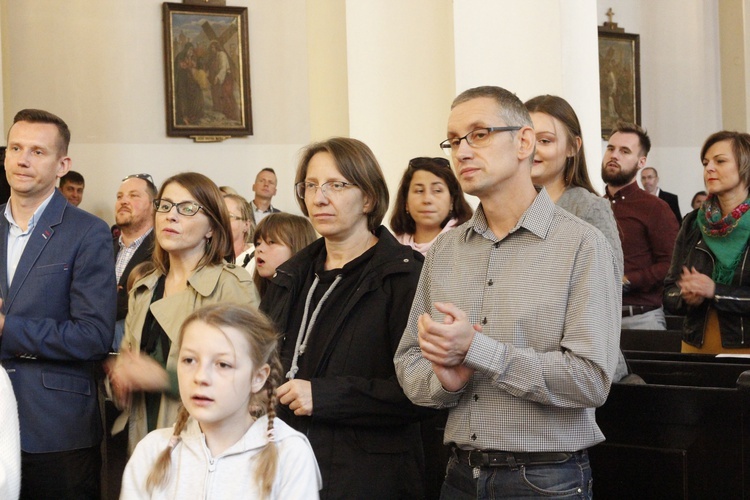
(188, 208)
(423, 161)
(331, 187)
(478, 138)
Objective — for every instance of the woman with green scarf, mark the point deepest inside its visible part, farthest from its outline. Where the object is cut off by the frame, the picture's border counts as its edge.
(709, 279)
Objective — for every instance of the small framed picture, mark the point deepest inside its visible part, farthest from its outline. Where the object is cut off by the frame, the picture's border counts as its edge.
(619, 79)
(207, 67)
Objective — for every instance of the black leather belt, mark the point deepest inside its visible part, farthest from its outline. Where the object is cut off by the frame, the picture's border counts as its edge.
(481, 458)
(628, 311)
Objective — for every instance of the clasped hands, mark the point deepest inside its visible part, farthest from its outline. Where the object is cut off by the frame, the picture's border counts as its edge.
(695, 287)
(445, 345)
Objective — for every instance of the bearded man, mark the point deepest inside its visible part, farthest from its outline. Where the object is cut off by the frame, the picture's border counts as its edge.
(134, 214)
(647, 228)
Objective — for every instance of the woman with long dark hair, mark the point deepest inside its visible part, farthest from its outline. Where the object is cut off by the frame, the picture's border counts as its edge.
(429, 202)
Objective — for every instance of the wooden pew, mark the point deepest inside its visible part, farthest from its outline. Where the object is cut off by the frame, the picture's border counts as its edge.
(684, 435)
(651, 340)
(674, 322)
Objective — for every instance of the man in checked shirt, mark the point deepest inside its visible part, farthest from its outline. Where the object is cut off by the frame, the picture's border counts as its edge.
(515, 325)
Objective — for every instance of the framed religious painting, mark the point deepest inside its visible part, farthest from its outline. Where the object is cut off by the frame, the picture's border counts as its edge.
(207, 67)
(619, 78)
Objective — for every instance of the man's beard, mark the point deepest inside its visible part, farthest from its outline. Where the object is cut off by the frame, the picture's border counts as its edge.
(125, 220)
(619, 178)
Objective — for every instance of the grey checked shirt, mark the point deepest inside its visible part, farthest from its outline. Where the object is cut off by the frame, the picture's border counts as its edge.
(548, 297)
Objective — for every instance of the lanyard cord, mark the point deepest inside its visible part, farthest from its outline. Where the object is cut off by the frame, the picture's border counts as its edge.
(304, 329)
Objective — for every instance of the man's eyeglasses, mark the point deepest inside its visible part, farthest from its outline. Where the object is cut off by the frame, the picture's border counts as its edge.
(328, 188)
(188, 208)
(478, 138)
(424, 161)
(145, 177)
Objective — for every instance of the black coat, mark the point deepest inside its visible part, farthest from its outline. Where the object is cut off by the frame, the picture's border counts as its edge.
(732, 302)
(364, 430)
(673, 203)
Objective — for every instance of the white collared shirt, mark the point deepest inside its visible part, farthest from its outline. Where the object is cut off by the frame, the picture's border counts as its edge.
(126, 253)
(258, 214)
(18, 238)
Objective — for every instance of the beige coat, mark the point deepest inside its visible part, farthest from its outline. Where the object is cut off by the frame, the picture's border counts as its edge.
(208, 285)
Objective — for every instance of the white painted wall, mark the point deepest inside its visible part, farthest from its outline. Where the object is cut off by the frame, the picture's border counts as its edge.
(533, 48)
(401, 81)
(680, 83)
(99, 65)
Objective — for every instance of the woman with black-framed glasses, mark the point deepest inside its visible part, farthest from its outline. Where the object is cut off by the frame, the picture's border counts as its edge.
(192, 239)
(429, 202)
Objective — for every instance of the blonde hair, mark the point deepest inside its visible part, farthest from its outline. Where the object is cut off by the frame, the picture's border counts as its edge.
(138, 272)
(245, 212)
(262, 338)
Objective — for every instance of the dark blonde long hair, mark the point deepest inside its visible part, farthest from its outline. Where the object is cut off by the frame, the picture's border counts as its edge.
(262, 338)
(575, 173)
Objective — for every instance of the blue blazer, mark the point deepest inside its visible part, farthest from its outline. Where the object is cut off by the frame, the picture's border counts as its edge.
(59, 323)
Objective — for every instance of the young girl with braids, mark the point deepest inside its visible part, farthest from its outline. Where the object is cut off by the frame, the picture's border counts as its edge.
(226, 442)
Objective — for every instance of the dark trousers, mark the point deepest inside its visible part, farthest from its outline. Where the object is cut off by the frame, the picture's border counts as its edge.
(570, 479)
(69, 475)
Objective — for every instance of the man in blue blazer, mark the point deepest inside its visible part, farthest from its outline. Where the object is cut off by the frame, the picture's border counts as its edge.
(58, 291)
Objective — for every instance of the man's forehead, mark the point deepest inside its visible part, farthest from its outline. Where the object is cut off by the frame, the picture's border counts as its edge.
(134, 183)
(477, 112)
(627, 139)
(266, 175)
(40, 131)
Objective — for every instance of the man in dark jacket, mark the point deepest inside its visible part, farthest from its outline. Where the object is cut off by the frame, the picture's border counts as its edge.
(58, 312)
(650, 181)
(134, 214)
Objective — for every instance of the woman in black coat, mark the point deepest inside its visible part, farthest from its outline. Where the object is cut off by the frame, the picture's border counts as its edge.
(709, 279)
(342, 305)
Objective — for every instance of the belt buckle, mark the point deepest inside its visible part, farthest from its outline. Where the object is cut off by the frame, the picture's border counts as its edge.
(480, 456)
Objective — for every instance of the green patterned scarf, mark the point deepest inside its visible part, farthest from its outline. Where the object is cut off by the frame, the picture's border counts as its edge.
(725, 236)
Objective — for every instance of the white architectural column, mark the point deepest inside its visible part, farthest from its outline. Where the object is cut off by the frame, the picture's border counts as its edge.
(735, 70)
(326, 49)
(533, 48)
(401, 79)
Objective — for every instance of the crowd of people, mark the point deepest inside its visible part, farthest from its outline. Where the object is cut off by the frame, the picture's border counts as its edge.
(261, 354)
